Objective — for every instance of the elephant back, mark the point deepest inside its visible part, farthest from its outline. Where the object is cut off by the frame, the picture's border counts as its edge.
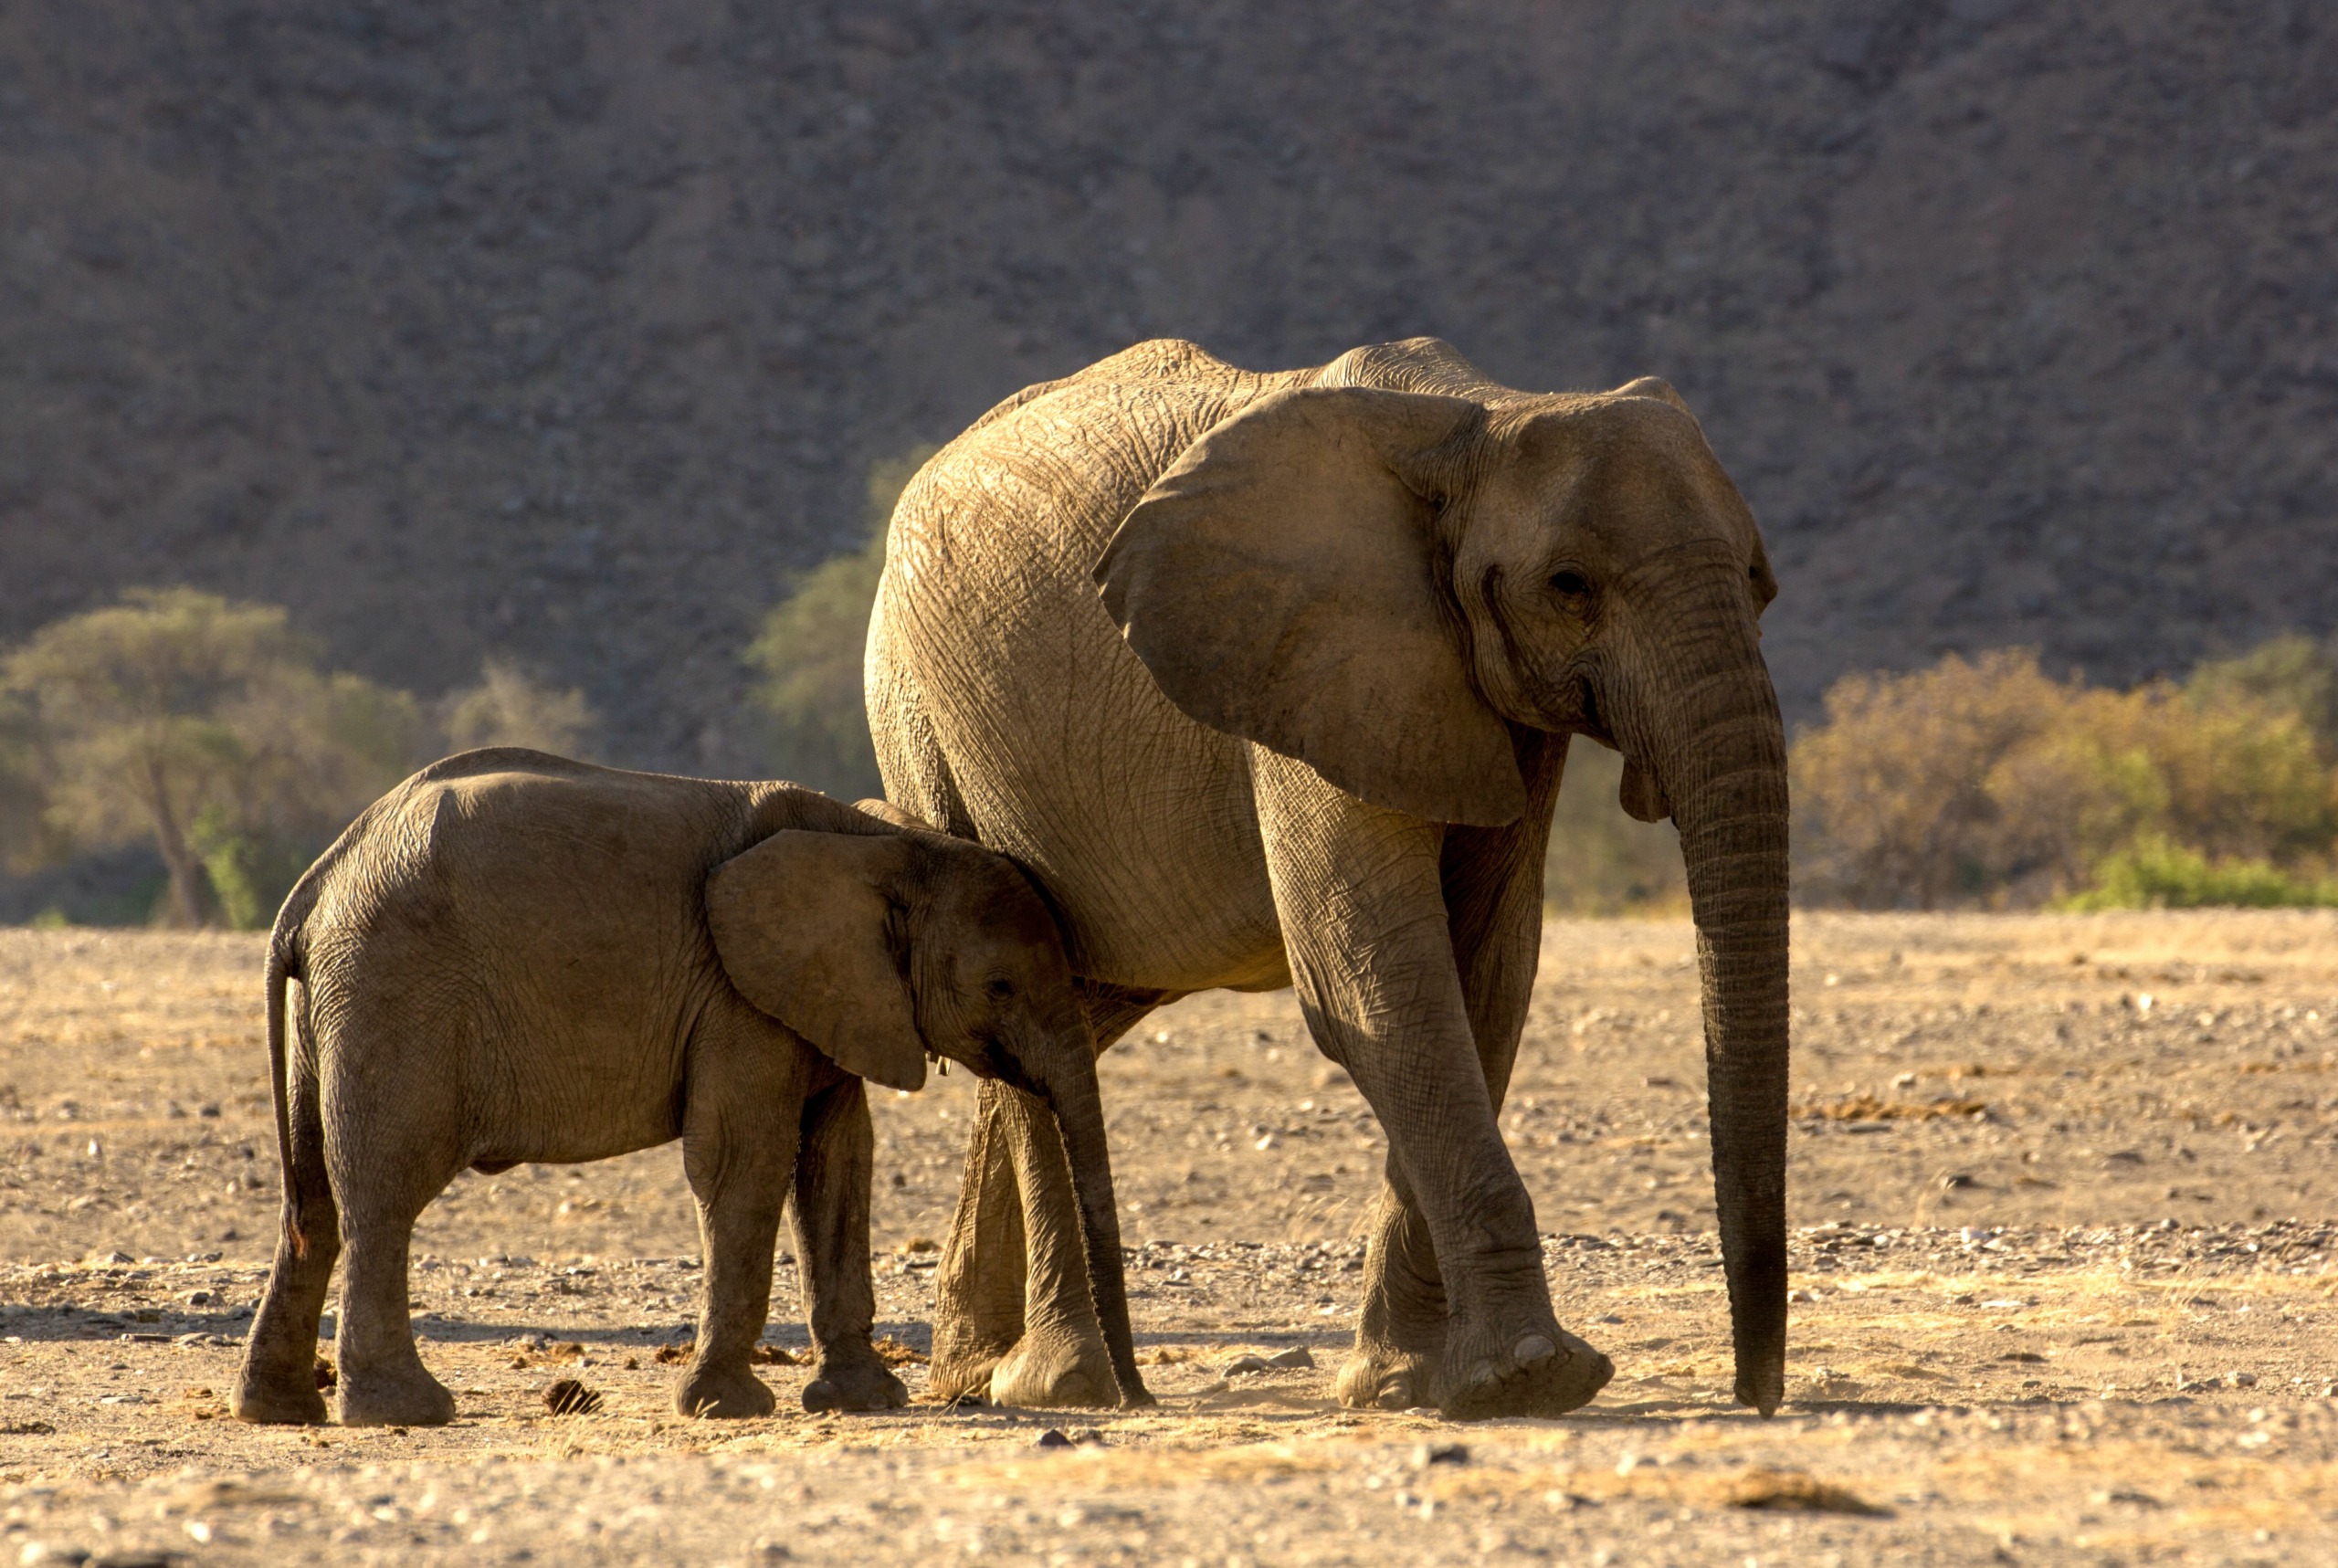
(1415, 364)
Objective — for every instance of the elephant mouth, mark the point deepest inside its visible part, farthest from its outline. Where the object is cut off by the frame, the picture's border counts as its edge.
(1640, 795)
(1586, 720)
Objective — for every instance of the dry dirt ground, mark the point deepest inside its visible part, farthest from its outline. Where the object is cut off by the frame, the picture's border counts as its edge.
(2062, 1187)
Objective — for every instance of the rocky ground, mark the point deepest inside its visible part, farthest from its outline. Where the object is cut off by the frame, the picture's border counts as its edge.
(2061, 1289)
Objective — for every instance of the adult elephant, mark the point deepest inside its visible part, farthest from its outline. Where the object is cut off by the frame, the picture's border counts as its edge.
(1310, 733)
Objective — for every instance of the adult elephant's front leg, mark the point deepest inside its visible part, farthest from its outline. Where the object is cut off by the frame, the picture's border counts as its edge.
(1361, 894)
(1492, 882)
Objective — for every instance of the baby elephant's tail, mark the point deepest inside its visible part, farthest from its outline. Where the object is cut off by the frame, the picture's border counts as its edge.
(280, 965)
(299, 1151)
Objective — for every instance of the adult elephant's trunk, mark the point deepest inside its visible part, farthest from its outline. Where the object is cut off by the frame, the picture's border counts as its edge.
(1070, 1093)
(1720, 750)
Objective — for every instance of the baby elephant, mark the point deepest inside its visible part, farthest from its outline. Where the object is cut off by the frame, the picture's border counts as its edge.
(515, 957)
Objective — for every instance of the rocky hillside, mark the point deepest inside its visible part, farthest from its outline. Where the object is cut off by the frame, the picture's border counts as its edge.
(567, 330)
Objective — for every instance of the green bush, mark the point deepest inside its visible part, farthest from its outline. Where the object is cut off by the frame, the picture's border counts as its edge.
(811, 650)
(2156, 874)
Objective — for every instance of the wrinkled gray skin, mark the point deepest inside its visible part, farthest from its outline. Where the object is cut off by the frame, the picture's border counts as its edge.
(1269, 680)
(514, 957)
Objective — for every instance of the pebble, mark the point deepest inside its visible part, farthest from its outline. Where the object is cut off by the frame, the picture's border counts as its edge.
(1428, 1454)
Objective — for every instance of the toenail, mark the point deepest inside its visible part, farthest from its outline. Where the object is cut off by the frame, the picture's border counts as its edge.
(1531, 1349)
(1484, 1371)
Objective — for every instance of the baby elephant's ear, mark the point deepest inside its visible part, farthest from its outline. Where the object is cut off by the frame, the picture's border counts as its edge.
(805, 923)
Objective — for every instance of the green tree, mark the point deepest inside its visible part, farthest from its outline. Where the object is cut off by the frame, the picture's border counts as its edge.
(811, 647)
(204, 727)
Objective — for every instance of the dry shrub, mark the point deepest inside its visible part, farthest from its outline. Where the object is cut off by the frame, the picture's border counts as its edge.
(1987, 782)
(509, 707)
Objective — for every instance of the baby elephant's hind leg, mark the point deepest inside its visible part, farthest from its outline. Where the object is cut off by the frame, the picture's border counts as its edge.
(278, 1381)
(832, 1176)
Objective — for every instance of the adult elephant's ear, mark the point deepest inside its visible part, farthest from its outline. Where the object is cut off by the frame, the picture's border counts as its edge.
(810, 928)
(1280, 584)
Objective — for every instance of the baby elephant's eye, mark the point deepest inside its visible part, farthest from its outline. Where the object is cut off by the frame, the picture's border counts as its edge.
(1000, 987)
(1569, 584)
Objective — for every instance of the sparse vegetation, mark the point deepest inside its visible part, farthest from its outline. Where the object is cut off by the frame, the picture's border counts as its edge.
(810, 654)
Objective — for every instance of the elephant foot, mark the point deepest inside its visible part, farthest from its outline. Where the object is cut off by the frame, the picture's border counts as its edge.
(1056, 1372)
(957, 1380)
(1383, 1378)
(724, 1394)
(411, 1398)
(853, 1383)
(280, 1399)
(1539, 1374)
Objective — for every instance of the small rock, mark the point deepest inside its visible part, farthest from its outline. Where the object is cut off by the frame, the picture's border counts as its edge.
(569, 1397)
(1297, 1356)
(1053, 1438)
(1428, 1454)
(1243, 1364)
(107, 1259)
(42, 1551)
(2244, 1380)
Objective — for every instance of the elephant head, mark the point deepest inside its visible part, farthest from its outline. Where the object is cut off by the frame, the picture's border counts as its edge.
(881, 949)
(1400, 584)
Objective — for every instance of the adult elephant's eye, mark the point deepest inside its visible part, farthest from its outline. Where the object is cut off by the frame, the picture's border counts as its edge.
(1000, 988)
(1570, 583)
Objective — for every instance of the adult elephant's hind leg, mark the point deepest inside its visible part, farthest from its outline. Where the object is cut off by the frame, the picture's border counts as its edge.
(1014, 1321)
(978, 1288)
(1400, 1332)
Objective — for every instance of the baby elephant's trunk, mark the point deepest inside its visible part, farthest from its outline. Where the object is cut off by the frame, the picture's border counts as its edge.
(1070, 1093)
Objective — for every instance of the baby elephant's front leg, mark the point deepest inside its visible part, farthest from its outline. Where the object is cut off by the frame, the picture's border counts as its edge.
(737, 1155)
(832, 1177)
